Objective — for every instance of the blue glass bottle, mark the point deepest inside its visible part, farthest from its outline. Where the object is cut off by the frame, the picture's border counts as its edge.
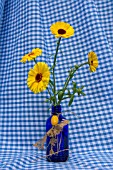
(62, 139)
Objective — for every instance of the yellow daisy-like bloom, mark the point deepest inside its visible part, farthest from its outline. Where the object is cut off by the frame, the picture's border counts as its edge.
(32, 55)
(62, 29)
(38, 77)
(93, 61)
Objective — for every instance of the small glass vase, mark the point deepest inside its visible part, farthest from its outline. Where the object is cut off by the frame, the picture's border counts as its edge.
(59, 151)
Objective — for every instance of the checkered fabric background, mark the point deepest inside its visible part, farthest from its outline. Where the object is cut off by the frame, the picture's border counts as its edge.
(24, 25)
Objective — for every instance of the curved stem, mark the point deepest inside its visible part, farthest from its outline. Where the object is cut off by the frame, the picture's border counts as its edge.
(65, 98)
(69, 78)
(82, 65)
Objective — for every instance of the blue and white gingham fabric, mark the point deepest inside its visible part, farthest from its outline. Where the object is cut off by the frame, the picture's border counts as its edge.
(24, 25)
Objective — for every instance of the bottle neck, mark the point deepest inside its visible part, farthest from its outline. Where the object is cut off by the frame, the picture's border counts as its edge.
(56, 110)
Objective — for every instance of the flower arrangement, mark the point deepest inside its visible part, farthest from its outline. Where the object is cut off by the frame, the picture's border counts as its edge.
(39, 76)
(39, 79)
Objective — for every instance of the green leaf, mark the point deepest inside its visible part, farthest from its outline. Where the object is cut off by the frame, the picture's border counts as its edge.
(52, 99)
(51, 68)
(47, 100)
(51, 83)
(74, 90)
(74, 84)
(69, 92)
(51, 72)
(79, 91)
(82, 87)
(74, 87)
(71, 100)
(60, 95)
(71, 74)
(76, 66)
(83, 93)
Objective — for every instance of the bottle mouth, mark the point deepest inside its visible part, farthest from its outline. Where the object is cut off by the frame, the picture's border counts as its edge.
(56, 109)
(54, 113)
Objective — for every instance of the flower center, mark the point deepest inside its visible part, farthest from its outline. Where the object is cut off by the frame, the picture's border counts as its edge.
(61, 31)
(30, 54)
(92, 62)
(38, 77)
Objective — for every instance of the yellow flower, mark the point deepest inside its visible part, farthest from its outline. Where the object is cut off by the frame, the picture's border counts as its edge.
(93, 61)
(38, 77)
(32, 55)
(24, 59)
(62, 29)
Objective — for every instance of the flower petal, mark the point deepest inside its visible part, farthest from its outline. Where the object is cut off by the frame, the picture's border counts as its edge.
(66, 30)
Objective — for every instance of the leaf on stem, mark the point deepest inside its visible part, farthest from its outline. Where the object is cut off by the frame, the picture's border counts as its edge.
(71, 73)
(52, 98)
(82, 87)
(51, 72)
(74, 84)
(74, 87)
(51, 83)
(71, 100)
(69, 93)
(76, 66)
(79, 91)
(83, 93)
(60, 95)
(47, 100)
(52, 68)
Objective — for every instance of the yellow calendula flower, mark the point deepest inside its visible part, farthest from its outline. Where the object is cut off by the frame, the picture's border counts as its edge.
(93, 61)
(32, 55)
(62, 29)
(38, 77)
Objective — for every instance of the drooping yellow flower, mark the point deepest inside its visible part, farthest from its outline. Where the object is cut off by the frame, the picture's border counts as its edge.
(32, 55)
(62, 29)
(38, 77)
(93, 61)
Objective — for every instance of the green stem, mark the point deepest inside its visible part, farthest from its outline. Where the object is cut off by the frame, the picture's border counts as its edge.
(58, 43)
(49, 91)
(66, 98)
(82, 65)
(51, 88)
(65, 86)
(68, 80)
(35, 61)
(49, 94)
